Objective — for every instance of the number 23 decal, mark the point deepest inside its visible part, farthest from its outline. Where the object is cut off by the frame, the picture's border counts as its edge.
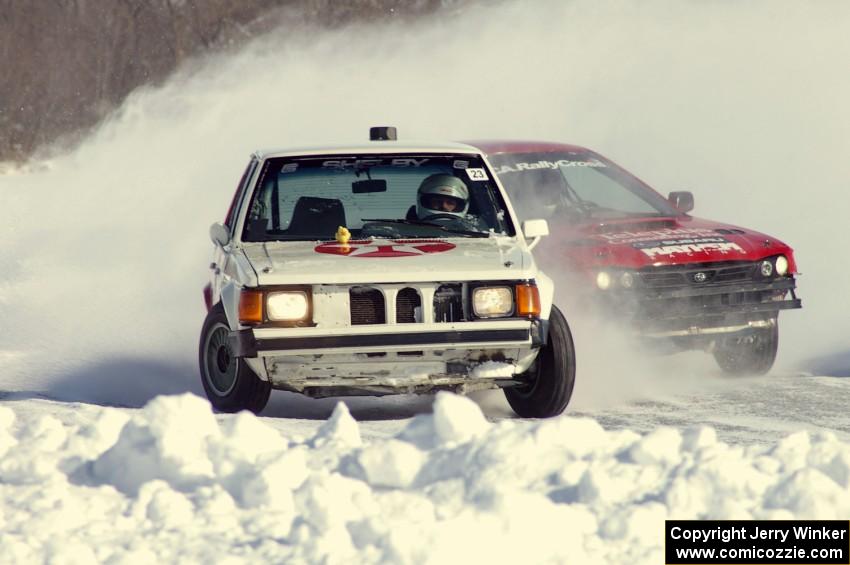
(477, 174)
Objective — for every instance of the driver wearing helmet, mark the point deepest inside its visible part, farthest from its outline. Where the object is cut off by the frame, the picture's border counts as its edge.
(443, 195)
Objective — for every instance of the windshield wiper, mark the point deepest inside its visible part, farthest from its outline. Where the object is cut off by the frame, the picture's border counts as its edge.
(586, 207)
(648, 215)
(468, 233)
(316, 237)
(643, 215)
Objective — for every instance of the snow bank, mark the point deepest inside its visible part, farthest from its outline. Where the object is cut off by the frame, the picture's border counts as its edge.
(174, 482)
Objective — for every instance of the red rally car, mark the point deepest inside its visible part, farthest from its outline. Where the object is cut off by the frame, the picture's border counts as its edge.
(682, 281)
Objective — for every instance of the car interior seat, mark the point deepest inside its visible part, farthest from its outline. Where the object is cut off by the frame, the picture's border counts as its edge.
(315, 216)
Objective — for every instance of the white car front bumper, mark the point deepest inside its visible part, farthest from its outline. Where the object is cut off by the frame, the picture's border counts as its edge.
(396, 358)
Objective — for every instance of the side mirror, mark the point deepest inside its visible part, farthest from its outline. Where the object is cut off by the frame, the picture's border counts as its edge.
(534, 230)
(682, 200)
(219, 234)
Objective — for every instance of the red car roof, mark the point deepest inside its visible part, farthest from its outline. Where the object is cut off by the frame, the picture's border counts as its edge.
(496, 146)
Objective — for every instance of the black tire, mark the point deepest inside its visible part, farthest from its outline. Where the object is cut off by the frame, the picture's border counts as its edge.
(230, 384)
(749, 355)
(552, 377)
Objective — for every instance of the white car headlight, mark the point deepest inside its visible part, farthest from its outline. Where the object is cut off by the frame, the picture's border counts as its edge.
(781, 265)
(766, 268)
(603, 280)
(287, 306)
(492, 302)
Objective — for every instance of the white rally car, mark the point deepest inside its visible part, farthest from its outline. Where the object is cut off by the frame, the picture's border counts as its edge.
(375, 269)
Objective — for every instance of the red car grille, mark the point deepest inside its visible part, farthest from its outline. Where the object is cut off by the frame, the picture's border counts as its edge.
(696, 275)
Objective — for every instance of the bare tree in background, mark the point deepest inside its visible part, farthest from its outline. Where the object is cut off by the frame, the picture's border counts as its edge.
(66, 63)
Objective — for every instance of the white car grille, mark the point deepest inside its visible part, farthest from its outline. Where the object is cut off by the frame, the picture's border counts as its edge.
(407, 302)
(366, 306)
(402, 304)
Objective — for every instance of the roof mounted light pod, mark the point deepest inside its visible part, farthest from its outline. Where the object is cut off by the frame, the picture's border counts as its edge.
(382, 133)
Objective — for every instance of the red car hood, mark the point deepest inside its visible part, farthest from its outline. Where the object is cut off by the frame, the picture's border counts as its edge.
(639, 242)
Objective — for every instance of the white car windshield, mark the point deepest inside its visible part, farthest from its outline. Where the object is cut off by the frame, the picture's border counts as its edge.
(381, 196)
(580, 185)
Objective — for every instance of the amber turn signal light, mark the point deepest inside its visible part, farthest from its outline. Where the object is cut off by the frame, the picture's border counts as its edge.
(251, 307)
(527, 300)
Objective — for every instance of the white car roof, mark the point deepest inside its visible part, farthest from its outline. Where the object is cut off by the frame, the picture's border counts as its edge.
(371, 147)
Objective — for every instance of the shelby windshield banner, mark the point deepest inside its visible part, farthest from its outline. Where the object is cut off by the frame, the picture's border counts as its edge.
(811, 542)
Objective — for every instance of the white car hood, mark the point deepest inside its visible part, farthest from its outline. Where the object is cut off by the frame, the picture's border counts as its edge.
(385, 261)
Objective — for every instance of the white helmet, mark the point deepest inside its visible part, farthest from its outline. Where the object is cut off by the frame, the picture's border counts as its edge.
(442, 194)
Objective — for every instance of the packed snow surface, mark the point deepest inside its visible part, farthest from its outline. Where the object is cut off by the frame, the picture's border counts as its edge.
(172, 482)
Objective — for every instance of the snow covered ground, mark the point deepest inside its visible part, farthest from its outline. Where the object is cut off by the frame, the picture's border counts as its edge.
(109, 455)
(173, 483)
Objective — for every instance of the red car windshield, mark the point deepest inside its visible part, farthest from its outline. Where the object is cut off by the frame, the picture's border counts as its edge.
(579, 185)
